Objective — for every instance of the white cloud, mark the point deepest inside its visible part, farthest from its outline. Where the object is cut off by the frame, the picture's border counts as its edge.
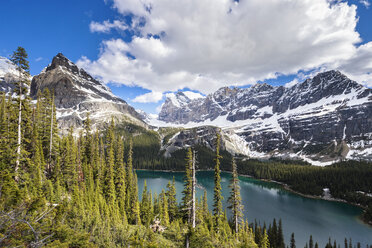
(207, 44)
(366, 3)
(39, 59)
(149, 97)
(106, 26)
(359, 66)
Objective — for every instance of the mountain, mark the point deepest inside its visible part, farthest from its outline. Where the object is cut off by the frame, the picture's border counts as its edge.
(324, 119)
(8, 74)
(78, 93)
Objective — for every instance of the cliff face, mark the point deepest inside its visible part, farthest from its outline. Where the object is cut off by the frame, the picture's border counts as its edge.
(77, 93)
(325, 118)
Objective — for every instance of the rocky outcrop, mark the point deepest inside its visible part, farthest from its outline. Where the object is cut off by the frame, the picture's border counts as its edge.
(325, 118)
(77, 93)
(205, 135)
(8, 75)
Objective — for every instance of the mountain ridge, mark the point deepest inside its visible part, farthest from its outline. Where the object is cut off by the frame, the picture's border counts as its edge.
(323, 119)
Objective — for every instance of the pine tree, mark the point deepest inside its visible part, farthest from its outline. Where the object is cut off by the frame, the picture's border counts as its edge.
(217, 205)
(235, 200)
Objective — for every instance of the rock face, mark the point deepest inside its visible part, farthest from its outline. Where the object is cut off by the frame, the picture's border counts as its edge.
(325, 118)
(77, 93)
(204, 135)
(8, 75)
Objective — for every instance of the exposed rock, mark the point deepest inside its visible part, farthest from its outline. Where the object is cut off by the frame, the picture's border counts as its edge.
(77, 93)
(304, 120)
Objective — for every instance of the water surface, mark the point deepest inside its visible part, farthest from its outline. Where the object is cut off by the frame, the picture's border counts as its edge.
(265, 201)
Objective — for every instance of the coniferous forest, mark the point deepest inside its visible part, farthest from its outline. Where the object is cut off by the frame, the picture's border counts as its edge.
(80, 190)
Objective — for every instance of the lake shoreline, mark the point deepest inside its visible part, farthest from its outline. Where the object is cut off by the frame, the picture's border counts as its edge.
(287, 188)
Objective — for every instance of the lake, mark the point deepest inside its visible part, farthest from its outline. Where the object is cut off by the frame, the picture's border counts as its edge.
(265, 201)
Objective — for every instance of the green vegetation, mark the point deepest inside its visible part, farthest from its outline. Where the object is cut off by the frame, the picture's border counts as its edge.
(81, 191)
(348, 180)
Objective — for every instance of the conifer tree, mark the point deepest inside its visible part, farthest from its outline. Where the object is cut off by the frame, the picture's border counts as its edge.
(19, 58)
(146, 213)
(129, 174)
(205, 205)
(280, 235)
(135, 206)
(311, 243)
(235, 200)
(120, 176)
(172, 201)
(217, 199)
(187, 191)
(293, 242)
(264, 243)
(164, 216)
(110, 191)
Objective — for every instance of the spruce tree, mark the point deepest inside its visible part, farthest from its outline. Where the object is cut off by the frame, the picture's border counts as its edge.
(120, 176)
(187, 191)
(217, 198)
(19, 58)
(293, 242)
(235, 201)
(110, 191)
(172, 201)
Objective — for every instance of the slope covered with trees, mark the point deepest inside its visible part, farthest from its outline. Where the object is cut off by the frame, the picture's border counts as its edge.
(81, 190)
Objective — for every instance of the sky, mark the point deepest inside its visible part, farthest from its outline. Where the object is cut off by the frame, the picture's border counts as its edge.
(145, 49)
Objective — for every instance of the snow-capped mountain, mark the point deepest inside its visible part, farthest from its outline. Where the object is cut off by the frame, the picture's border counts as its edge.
(325, 118)
(8, 74)
(77, 93)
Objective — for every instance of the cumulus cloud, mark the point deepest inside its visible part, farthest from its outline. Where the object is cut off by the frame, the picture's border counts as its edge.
(359, 66)
(149, 97)
(205, 44)
(106, 26)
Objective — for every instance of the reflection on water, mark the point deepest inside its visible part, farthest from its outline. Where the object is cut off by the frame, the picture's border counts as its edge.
(265, 201)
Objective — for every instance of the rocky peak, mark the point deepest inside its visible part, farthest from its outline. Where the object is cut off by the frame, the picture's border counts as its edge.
(261, 87)
(77, 93)
(61, 60)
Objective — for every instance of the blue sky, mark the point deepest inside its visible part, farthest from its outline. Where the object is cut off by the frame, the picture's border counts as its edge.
(74, 28)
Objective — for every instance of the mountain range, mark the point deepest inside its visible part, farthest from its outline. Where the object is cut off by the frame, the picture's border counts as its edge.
(321, 120)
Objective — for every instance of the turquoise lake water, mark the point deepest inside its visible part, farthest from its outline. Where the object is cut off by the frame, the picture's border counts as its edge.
(265, 201)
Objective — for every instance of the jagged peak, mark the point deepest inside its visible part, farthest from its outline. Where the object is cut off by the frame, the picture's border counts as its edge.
(63, 61)
(261, 87)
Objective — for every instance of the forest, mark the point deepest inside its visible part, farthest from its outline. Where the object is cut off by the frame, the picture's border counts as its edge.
(80, 190)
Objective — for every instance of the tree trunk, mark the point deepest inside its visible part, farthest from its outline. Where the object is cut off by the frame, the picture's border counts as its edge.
(193, 212)
(19, 130)
(51, 138)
